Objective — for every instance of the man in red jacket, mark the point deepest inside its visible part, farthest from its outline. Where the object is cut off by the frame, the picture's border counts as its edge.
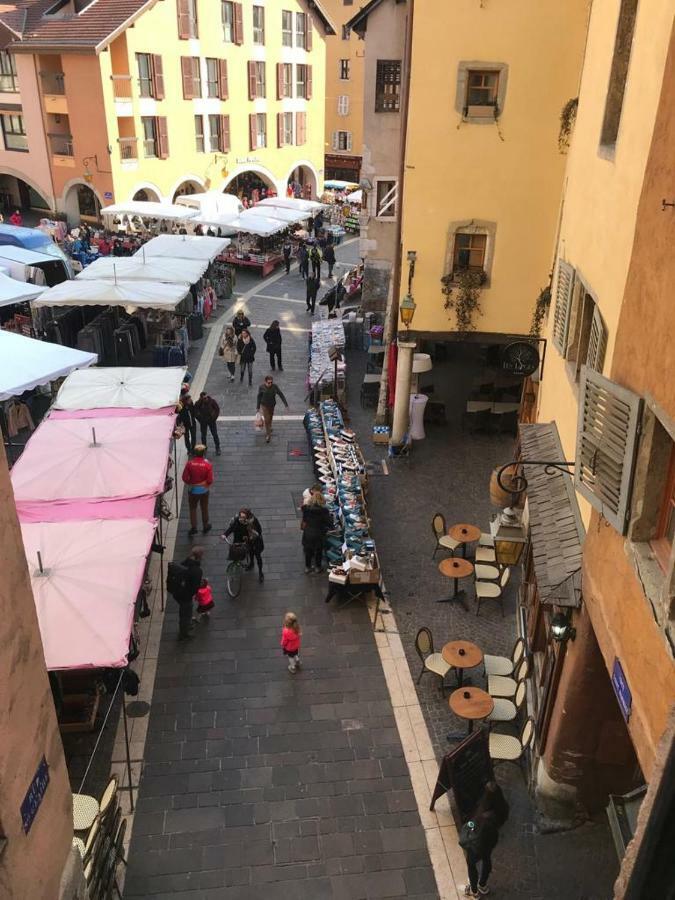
(198, 476)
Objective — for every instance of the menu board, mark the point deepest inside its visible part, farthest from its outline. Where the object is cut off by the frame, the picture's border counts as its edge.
(465, 770)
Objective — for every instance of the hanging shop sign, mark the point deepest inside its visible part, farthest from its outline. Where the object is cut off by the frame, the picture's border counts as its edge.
(34, 795)
(621, 689)
(520, 358)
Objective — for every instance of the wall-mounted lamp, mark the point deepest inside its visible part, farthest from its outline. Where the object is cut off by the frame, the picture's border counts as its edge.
(407, 309)
(561, 630)
(510, 538)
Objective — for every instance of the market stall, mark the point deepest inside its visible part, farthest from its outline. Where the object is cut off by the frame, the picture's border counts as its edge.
(144, 268)
(144, 215)
(129, 295)
(259, 241)
(327, 370)
(26, 363)
(121, 387)
(184, 246)
(311, 207)
(212, 203)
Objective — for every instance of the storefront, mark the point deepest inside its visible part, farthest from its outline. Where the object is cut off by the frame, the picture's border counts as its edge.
(345, 168)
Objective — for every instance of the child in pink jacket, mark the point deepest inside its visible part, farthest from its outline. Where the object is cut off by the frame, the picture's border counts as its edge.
(204, 600)
(290, 641)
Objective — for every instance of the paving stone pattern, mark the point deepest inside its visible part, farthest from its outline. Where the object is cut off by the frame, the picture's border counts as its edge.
(258, 783)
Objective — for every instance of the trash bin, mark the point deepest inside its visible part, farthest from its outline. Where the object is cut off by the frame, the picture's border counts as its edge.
(417, 404)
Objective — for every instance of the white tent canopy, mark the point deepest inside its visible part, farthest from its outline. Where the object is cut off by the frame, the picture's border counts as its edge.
(13, 291)
(25, 363)
(355, 197)
(263, 225)
(308, 206)
(212, 203)
(289, 216)
(216, 220)
(132, 295)
(121, 386)
(137, 268)
(184, 246)
(146, 209)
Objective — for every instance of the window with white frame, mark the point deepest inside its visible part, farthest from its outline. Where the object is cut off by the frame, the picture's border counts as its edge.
(342, 140)
(14, 132)
(301, 30)
(258, 24)
(287, 80)
(199, 134)
(301, 81)
(261, 130)
(212, 77)
(214, 133)
(385, 198)
(227, 13)
(8, 81)
(343, 105)
(288, 128)
(286, 28)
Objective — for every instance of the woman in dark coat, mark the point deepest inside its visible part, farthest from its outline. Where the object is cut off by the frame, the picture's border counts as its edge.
(272, 338)
(329, 256)
(316, 523)
(246, 349)
(245, 529)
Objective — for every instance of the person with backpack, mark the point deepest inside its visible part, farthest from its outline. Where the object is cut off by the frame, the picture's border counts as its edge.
(182, 582)
(228, 350)
(198, 476)
(479, 835)
(272, 338)
(206, 413)
(329, 256)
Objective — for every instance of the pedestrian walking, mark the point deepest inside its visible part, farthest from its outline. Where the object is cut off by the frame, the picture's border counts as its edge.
(303, 260)
(329, 256)
(204, 597)
(308, 492)
(267, 400)
(340, 293)
(286, 250)
(206, 413)
(315, 257)
(479, 835)
(240, 322)
(312, 291)
(228, 350)
(310, 225)
(182, 582)
(290, 641)
(198, 476)
(315, 525)
(246, 349)
(246, 529)
(272, 338)
(186, 418)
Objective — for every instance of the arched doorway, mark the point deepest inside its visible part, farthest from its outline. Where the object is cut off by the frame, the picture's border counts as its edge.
(250, 186)
(146, 195)
(15, 193)
(81, 202)
(302, 183)
(186, 188)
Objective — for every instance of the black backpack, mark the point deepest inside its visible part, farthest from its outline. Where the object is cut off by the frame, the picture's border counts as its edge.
(470, 836)
(176, 579)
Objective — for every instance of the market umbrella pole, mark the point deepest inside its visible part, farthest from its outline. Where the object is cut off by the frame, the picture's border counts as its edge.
(175, 473)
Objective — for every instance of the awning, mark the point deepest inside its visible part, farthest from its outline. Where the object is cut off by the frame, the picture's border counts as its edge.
(262, 225)
(139, 268)
(146, 209)
(132, 295)
(121, 387)
(25, 363)
(13, 291)
(184, 246)
(308, 206)
(556, 530)
(212, 203)
(289, 216)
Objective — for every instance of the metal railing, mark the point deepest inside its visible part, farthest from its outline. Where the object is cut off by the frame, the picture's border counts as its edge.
(53, 83)
(128, 147)
(61, 144)
(121, 87)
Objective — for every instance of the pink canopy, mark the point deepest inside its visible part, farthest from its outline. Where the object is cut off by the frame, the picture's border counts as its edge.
(85, 595)
(111, 412)
(81, 460)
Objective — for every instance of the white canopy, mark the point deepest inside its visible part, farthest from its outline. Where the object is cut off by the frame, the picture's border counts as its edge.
(355, 197)
(308, 206)
(13, 291)
(216, 220)
(212, 203)
(261, 225)
(25, 363)
(289, 216)
(132, 295)
(139, 268)
(184, 246)
(149, 210)
(121, 387)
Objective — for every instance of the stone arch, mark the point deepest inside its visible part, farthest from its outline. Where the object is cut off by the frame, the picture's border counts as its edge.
(145, 190)
(245, 178)
(188, 184)
(15, 184)
(304, 173)
(80, 199)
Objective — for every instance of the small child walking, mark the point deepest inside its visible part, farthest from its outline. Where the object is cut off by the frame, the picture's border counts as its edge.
(205, 602)
(290, 641)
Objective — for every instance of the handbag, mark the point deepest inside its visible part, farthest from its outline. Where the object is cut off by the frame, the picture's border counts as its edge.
(259, 421)
(221, 351)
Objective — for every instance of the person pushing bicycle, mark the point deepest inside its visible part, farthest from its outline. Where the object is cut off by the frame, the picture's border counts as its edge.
(246, 529)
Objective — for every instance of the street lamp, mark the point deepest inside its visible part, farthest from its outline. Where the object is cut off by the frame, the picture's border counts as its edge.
(510, 538)
(561, 630)
(407, 309)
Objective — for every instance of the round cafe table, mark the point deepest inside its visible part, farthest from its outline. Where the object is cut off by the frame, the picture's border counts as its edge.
(470, 703)
(462, 655)
(465, 534)
(455, 567)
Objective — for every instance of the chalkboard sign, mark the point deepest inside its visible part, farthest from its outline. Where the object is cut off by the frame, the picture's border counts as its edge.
(34, 794)
(466, 769)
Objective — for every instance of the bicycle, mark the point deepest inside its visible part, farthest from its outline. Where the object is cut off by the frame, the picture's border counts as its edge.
(239, 559)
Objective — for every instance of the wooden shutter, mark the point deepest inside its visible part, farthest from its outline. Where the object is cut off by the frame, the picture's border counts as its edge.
(162, 137)
(563, 304)
(263, 23)
(308, 32)
(280, 81)
(195, 21)
(251, 81)
(607, 432)
(308, 82)
(183, 10)
(349, 140)
(252, 131)
(225, 134)
(186, 75)
(158, 78)
(238, 24)
(334, 140)
(280, 129)
(597, 342)
(223, 85)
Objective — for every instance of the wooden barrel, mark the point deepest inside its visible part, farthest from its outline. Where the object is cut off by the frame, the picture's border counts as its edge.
(498, 496)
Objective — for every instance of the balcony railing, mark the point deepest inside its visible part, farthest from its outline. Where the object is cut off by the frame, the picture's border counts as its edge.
(121, 87)
(61, 144)
(128, 147)
(53, 83)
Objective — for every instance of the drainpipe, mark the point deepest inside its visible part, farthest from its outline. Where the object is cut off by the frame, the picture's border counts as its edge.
(391, 315)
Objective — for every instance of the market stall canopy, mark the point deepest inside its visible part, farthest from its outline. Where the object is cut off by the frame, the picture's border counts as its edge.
(308, 206)
(139, 268)
(289, 216)
(25, 363)
(13, 291)
(146, 209)
(86, 591)
(216, 220)
(263, 226)
(132, 295)
(212, 203)
(355, 197)
(336, 184)
(184, 246)
(80, 460)
(121, 387)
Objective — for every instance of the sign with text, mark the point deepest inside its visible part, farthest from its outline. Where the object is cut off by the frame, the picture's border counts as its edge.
(34, 795)
(621, 689)
(466, 769)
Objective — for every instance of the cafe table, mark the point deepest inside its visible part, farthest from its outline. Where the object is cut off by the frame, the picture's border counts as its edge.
(469, 703)
(461, 655)
(455, 567)
(464, 534)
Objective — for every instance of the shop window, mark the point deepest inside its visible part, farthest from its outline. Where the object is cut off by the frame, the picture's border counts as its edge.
(619, 73)
(8, 80)
(199, 134)
(469, 252)
(286, 28)
(388, 85)
(344, 70)
(385, 199)
(258, 24)
(14, 132)
(342, 140)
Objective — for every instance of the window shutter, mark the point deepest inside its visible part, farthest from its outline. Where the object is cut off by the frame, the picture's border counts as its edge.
(280, 81)
(183, 10)
(607, 432)
(238, 24)
(280, 129)
(264, 77)
(334, 140)
(196, 22)
(162, 133)
(224, 134)
(308, 33)
(158, 77)
(563, 303)
(223, 86)
(597, 342)
(251, 81)
(301, 128)
(252, 131)
(349, 140)
(186, 75)
(308, 82)
(263, 23)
